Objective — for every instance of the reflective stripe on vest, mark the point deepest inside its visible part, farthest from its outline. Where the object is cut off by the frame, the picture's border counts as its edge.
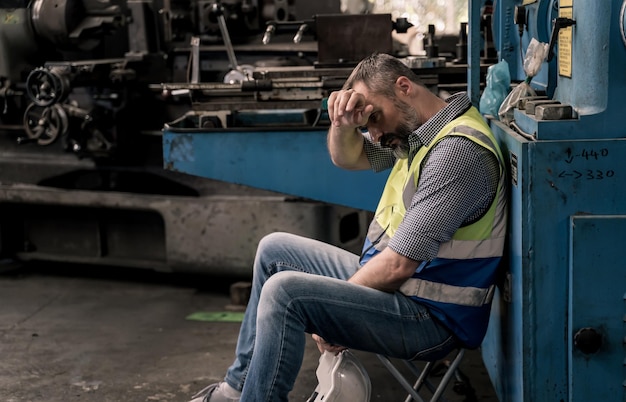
(443, 293)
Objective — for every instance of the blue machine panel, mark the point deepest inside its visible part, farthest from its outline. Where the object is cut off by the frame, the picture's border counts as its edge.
(597, 314)
(528, 349)
(288, 161)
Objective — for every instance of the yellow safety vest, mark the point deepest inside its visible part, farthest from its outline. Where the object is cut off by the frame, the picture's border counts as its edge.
(483, 238)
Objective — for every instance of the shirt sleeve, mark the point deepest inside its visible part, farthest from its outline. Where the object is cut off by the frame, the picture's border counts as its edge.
(457, 184)
(380, 158)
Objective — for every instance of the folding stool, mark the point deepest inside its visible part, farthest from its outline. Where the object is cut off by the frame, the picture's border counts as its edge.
(422, 376)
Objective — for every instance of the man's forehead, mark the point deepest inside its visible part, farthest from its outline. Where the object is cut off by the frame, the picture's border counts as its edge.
(372, 97)
(361, 88)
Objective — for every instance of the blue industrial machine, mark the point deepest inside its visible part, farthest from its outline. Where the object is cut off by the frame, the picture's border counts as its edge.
(558, 328)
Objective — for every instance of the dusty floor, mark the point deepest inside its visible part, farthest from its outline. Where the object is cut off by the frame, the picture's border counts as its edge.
(81, 333)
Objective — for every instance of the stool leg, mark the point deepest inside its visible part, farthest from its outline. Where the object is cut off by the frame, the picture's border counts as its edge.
(400, 378)
(449, 373)
(421, 375)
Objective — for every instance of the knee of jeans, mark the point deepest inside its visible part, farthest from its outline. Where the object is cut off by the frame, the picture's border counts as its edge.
(280, 287)
(269, 248)
(268, 243)
(284, 281)
(270, 240)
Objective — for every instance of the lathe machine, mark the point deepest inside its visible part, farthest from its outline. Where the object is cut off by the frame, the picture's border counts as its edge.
(89, 89)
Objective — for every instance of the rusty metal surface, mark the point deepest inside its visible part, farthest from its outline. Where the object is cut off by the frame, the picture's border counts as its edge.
(349, 38)
(210, 233)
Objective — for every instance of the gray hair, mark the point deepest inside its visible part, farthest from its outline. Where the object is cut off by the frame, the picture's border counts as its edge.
(379, 72)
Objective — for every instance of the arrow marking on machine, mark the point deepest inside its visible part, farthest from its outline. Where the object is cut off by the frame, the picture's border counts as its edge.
(576, 174)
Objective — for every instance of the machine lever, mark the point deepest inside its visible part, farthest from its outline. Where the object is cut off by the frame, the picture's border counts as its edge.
(557, 24)
(218, 11)
(269, 31)
(298, 37)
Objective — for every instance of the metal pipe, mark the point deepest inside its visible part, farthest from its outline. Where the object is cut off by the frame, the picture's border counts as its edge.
(473, 52)
(195, 59)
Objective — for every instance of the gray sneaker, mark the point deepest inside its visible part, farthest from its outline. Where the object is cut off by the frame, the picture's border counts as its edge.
(213, 393)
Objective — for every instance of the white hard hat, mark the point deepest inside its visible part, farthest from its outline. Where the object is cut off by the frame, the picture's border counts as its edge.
(341, 378)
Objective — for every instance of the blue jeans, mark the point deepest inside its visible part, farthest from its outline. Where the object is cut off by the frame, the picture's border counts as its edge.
(299, 286)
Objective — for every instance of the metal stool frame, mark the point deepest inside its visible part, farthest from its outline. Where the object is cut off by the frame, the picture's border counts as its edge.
(422, 377)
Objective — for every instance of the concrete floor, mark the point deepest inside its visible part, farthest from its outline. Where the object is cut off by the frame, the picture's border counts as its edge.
(81, 333)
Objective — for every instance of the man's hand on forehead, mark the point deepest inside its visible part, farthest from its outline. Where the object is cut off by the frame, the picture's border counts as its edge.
(348, 108)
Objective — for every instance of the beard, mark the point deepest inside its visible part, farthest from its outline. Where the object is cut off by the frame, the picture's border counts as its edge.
(399, 148)
(409, 122)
